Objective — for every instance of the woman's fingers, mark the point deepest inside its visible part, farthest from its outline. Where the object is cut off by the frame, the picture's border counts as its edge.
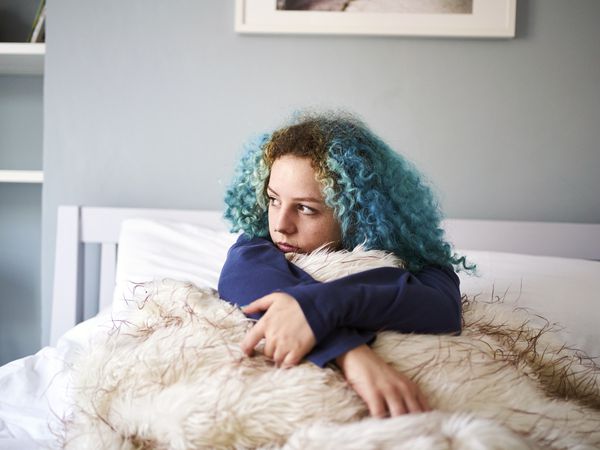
(252, 338)
(278, 356)
(270, 349)
(423, 401)
(413, 397)
(284, 328)
(291, 359)
(376, 405)
(262, 304)
(396, 405)
(385, 390)
(411, 402)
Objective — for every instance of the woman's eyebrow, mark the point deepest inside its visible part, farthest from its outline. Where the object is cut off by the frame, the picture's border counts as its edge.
(299, 199)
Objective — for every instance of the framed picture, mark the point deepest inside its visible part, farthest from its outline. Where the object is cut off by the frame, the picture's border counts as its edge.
(456, 18)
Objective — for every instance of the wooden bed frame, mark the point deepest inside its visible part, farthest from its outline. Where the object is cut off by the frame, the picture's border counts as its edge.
(79, 225)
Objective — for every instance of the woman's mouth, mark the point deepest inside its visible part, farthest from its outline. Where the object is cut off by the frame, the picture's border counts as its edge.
(286, 248)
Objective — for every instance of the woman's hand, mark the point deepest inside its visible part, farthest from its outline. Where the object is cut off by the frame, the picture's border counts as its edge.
(385, 390)
(288, 336)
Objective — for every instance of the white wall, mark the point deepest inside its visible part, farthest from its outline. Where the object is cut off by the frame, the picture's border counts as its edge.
(147, 103)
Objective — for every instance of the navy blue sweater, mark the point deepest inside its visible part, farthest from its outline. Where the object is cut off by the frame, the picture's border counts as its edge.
(347, 312)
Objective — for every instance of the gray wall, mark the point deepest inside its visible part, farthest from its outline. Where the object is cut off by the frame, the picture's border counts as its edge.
(20, 243)
(147, 103)
(21, 114)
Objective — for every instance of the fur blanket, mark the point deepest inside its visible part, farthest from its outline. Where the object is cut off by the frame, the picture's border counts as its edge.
(171, 375)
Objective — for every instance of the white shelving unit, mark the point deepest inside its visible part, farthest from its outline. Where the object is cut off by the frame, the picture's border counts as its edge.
(18, 58)
(21, 176)
(21, 58)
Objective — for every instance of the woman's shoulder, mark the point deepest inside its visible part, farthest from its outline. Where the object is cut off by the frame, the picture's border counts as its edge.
(245, 240)
(250, 247)
(435, 273)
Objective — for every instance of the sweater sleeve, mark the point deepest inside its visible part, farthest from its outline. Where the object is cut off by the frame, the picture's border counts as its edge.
(338, 342)
(255, 268)
(383, 299)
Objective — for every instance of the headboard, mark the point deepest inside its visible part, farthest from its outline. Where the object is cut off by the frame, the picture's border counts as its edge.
(79, 225)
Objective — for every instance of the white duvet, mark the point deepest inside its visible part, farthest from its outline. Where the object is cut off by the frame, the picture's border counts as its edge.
(33, 390)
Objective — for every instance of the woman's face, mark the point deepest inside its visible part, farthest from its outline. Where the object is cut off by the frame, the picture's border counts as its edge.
(299, 219)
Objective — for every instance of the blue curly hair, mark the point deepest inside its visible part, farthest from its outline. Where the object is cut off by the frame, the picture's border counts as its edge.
(379, 198)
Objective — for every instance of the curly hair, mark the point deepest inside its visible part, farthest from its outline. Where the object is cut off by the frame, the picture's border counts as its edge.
(379, 199)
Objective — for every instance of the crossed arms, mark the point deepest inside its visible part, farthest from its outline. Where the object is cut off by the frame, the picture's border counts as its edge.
(345, 313)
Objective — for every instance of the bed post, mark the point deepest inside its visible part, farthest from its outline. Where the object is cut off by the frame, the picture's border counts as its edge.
(65, 296)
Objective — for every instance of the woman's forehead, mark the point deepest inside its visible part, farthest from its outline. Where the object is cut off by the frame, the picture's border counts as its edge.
(295, 177)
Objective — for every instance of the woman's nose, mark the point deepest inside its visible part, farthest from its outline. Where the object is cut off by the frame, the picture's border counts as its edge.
(285, 222)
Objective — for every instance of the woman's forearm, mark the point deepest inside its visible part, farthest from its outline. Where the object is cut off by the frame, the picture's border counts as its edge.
(383, 299)
(255, 268)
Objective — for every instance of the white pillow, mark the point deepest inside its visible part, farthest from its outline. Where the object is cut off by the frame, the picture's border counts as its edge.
(562, 290)
(156, 249)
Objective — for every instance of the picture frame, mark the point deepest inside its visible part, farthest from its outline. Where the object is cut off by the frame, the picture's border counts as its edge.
(487, 18)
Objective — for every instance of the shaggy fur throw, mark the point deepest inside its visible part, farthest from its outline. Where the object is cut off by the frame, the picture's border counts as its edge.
(171, 375)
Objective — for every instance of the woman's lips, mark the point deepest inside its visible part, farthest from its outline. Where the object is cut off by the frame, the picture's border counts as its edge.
(286, 248)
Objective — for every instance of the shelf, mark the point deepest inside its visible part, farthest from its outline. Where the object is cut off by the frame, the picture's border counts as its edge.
(21, 58)
(21, 176)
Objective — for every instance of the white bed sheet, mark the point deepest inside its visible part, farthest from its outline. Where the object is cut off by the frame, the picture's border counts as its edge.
(34, 389)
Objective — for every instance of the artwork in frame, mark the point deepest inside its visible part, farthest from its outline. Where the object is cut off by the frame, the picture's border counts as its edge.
(455, 18)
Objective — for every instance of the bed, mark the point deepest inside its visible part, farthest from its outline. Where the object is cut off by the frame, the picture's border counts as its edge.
(543, 273)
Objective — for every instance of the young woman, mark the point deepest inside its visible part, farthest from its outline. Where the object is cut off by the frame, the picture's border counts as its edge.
(328, 180)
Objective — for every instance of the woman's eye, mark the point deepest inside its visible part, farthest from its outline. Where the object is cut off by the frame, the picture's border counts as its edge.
(306, 209)
(274, 201)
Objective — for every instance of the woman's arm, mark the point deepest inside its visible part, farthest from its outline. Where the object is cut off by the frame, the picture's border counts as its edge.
(255, 268)
(383, 299)
(384, 390)
(386, 298)
(373, 300)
